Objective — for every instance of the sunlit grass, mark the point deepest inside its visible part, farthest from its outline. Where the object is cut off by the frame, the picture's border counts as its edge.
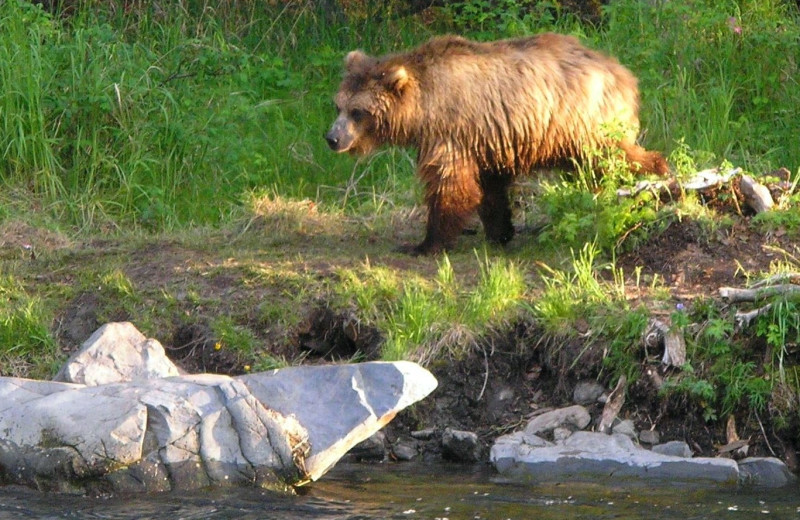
(444, 314)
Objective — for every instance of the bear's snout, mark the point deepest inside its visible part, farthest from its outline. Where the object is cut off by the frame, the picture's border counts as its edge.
(339, 137)
(333, 140)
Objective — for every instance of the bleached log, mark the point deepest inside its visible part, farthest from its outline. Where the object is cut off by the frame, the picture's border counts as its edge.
(793, 278)
(743, 319)
(756, 195)
(674, 349)
(737, 295)
(674, 342)
(709, 178)
(699, 181)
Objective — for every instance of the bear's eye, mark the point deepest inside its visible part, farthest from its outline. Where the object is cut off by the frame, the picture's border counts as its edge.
(358, 115)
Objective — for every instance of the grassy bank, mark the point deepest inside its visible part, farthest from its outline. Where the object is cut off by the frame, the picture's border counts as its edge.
(165, 164)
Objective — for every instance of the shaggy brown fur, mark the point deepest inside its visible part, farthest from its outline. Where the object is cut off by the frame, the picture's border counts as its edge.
(482, 113)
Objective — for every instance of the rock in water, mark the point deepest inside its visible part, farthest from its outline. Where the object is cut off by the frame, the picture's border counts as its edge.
(598, 457)
(765, 472)
(274, 429)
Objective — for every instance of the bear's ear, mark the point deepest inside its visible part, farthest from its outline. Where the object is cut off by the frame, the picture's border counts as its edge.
(395, 79)
(354, 60)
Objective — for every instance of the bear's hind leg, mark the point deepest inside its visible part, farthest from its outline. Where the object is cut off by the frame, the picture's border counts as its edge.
(495, 208)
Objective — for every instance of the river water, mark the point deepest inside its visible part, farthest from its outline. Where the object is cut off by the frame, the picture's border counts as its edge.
(411, 492)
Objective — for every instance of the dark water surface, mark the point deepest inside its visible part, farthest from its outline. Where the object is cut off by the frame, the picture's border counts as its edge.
(409, 491)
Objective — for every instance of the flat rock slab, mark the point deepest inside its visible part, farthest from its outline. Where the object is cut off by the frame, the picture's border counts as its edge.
(273, 429)
(600, 457)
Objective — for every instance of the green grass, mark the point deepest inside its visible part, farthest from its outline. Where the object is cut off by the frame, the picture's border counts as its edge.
(426, 319)
(164, 120)
(27, 345)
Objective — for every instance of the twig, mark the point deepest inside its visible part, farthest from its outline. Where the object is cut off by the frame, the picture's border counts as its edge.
(486, 373)
(764, 433)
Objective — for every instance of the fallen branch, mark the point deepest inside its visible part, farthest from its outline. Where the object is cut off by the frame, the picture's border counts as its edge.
(793, 278)
(743, 319)
(735, 295)
(613, 405)
(701, 180)
(755, 194)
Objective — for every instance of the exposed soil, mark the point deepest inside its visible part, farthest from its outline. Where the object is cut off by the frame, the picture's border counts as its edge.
(520, 372)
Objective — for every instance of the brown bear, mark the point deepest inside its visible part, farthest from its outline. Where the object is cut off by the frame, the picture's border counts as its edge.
(481, 114)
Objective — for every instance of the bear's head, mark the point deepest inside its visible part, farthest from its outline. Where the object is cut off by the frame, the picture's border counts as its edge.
(371, 102)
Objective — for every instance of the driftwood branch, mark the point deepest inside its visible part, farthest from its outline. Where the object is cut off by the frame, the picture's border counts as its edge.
(793, 278)
(743, 319)
(755, 195)
(701, 180)
(736, 295)
(769, 287)
(613, 405)
(673, 340)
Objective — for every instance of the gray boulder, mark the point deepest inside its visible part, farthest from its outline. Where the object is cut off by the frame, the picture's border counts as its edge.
(405, 448)
(587, 392)
(461, 446)
(650, 437)
(765, 472)
(116, 352)
(371, 449)
(273, 429)
(600, 457)
(625, 428)
(575, 416)
(674, 448)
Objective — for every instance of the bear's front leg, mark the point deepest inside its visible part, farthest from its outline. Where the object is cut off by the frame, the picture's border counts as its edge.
(452, 194)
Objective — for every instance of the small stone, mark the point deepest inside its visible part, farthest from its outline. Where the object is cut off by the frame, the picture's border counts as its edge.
(576, 416)
(371, 449)
(424, 435)
(598, 457)
(625, 428)
(673, 448)
(649, 437)
(561, 434)
(405, 449)
(587, 392)
(460, 446)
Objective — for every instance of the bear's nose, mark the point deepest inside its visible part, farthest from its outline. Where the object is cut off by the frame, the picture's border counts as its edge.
(333, 141)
